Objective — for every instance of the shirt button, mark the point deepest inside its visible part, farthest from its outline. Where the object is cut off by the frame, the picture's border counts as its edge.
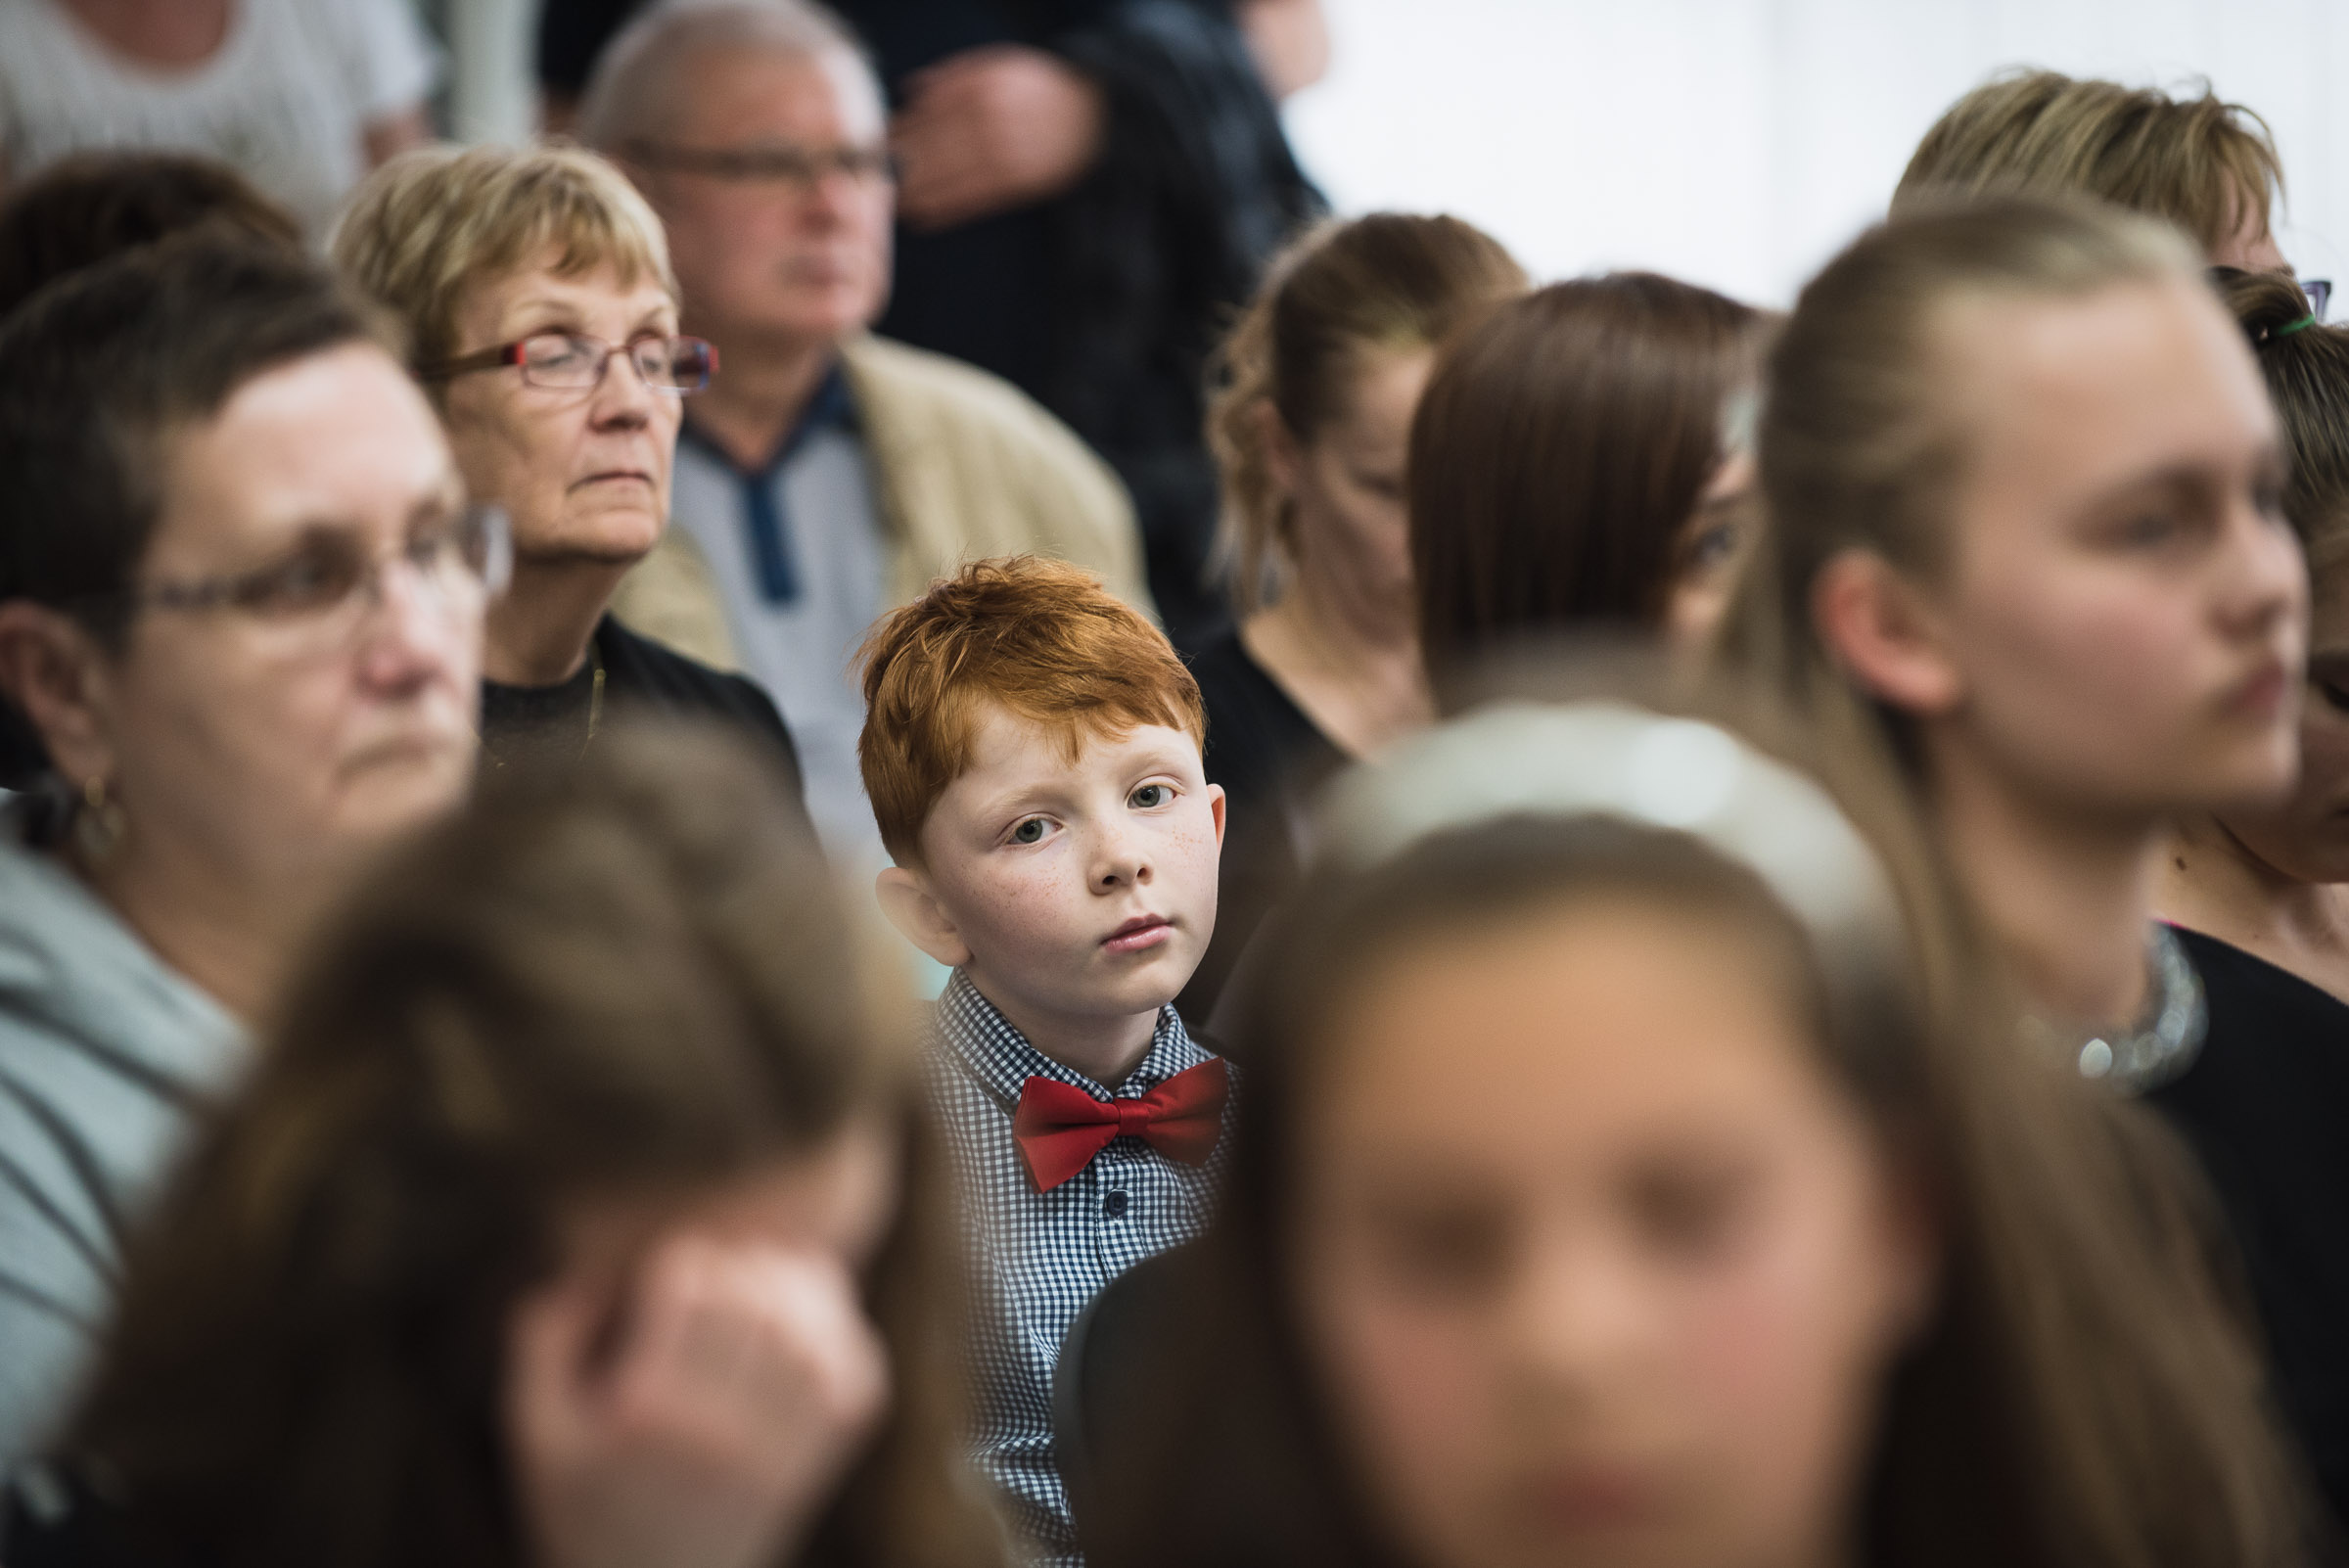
(1114, 1205)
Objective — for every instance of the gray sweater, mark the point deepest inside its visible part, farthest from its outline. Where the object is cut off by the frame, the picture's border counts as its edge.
(106, 1054)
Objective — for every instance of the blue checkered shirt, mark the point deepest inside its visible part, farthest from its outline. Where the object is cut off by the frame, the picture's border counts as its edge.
(1036, 1257)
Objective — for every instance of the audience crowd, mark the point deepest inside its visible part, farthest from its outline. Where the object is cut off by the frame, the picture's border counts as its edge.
(1581, 923)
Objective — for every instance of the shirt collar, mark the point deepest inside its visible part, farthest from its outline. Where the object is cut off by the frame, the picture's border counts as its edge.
(999, 1058)
(832, 406)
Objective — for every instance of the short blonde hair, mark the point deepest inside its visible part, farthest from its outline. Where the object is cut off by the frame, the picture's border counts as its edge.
(2201, 162)
(431, 226)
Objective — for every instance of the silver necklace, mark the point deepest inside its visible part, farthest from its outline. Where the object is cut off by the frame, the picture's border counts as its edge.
(2164, 1042)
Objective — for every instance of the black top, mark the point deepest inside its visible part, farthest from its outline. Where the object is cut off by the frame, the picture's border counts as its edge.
(639, 676)
(52, 1517)
(2266, 1105)
(1270, 759)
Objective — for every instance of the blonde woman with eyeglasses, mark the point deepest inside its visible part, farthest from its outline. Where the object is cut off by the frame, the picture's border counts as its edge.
(241, 602)
(542, 315)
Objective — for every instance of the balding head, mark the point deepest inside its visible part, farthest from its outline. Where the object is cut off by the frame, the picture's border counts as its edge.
(756, 129)
(644, 76)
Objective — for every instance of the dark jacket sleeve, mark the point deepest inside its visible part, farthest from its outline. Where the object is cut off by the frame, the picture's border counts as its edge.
(1152, 252)
(571, 33)
(1196, 188)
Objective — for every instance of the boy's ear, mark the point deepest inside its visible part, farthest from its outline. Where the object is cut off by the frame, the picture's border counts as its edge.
(906, 899)
(1215, 804)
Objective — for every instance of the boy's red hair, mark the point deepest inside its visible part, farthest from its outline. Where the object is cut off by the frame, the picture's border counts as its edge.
(1040, 639)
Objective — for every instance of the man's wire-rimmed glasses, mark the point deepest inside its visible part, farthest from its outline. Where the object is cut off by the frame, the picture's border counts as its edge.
(803, 167)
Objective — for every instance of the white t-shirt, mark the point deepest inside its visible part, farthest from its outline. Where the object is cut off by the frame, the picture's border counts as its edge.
(285, 97)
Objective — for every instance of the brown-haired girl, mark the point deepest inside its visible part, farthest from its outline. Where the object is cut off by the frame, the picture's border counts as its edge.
(578, 1215)
(1607, 1194)
(1321, 376)
(2025, 546)
(2261, 898)
(1578, 465)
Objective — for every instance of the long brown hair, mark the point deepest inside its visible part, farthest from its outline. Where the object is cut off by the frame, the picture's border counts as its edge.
(628, 978)
(2082, 1395)
(1560, 450)
(1389, 281)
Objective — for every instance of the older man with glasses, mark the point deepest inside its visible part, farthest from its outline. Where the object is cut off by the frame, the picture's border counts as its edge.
(827, 476)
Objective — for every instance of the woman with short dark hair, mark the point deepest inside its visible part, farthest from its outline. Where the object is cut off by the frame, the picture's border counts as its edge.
(81, 212)
(241, 599)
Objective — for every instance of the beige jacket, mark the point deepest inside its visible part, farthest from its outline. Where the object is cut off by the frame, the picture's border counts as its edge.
(964, 465)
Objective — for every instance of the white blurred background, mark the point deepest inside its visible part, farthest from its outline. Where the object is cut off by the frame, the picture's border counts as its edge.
(1738, 143)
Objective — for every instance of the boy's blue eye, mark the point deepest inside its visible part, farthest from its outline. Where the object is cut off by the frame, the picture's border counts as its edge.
(1148, 795)
(1031, 831)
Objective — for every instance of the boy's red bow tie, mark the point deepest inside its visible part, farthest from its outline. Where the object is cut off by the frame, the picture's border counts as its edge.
(1060, 1128)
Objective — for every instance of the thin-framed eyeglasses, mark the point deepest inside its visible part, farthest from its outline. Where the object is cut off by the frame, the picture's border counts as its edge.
(329, 580)
(803, 167)
(573, 361)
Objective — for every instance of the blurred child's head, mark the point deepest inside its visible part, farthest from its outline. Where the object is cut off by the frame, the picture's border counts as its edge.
(1032, 750)
(1605, 1195)
(607, 1010)
(1597, 1224)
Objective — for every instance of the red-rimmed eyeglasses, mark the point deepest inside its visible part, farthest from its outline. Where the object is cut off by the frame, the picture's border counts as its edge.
(571, 362)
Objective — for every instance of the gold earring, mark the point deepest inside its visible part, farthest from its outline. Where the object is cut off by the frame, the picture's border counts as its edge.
(98, 825)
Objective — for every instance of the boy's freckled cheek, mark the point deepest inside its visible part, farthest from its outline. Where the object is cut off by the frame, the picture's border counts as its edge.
(1199, 839)
(1026, 903)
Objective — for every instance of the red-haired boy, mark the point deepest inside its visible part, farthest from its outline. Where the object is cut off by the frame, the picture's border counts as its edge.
(1031, 750)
